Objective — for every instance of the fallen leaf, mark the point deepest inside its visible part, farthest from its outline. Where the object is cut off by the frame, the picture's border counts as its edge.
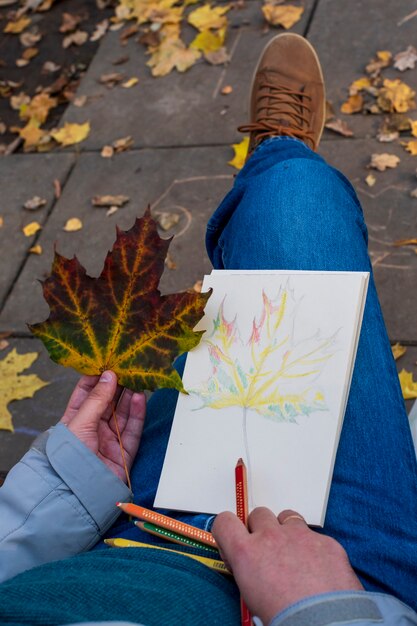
(1, 221)
(241, 151)
(198, 285)
(413, 193)
(170, 55)
(120, 321)
(36, 249)
(31, 134)
(112, 210)
(226, 90)
(123, 144)
(69, 22)
(370, 180)
(3, 344)
(219, 57)
(22, 62)
(207, 41)
(107, 152)
(100, 30)
(3, 128)
(34, 203)
(130, 83)
(398, 350)
(18, 26)
(31, 228)
(387, 137)
(408, 386)
(359, 85)
(122, 60)
(30, 38)
(30, 53)
(285, 16)
(38, 108)
(406, 60)
(73, 224)
(410, 146)
(167, 220)
(17, 101)
(57, 188)
(127, 33)
(70, 134)
(207, 17)
(396, 96)
(380, 161)
(49, 67)
(406, 242)
(169, 262)
(339, 126)
(353, 104)
(77, 39)
(105, 201)
(14, 386)
(111, 79)
(383, 59)
(79, 101)
(413, 127)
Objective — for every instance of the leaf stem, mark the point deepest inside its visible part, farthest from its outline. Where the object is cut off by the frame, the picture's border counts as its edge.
(129, 484)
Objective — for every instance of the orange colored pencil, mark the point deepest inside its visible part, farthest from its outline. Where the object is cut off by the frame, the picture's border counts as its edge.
(241, 485)
(168, 522)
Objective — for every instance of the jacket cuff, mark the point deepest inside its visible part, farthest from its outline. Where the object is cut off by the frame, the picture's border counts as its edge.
(95, 485)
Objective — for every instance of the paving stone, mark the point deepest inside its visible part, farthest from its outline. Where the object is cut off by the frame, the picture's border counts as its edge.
(34, 415)
(347, 35)
(178, 109)
(391, 215)
(189, 182)
(21, 178)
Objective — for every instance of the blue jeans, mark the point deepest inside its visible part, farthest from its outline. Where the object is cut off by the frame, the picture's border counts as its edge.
(289, 210)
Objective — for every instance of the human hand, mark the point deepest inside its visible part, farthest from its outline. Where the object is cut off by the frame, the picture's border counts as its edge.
(280, 561)
(89, 415)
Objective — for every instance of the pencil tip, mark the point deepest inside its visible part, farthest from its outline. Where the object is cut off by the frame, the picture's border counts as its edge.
(239, 461)
(118, 504)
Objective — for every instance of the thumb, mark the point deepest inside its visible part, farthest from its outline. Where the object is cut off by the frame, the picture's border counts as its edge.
(95, 405)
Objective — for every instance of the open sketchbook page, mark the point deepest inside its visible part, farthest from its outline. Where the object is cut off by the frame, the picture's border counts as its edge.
(268, 383)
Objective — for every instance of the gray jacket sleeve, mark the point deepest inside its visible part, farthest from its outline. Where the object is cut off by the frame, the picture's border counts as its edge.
(348, 608)
(56, 502)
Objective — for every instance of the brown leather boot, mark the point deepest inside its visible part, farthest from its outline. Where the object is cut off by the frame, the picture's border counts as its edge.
(288, 96)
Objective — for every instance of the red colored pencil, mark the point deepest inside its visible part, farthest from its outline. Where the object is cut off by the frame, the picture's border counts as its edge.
(242, 513)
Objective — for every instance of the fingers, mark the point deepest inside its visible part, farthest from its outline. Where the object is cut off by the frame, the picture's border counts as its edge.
(82, 389)
(262, 518)
(133, 428)
(229, 533)
(98, 400)
(291, 518)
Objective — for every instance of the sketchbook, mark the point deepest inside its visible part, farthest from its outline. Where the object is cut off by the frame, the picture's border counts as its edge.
(269, 383)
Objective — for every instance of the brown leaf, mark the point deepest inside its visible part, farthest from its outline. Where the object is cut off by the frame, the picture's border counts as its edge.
(49, 67)
(57, 188)
(111, 79)
(16, 102)
(413, 193)
(383, 59)
(198, 285)
(79, 101)
(30, 53)
(127, 33)
(77, 39)
(282, 15)
(107, 152)
(226, 90)
(100, 30)
(387, 137)
(339, 126)
(218, 57)
(16, 27)
(105, 201)
(396, 96)
(3, 344)
(69, 22)
(169, 262)
(353, 104)
(122, 144)
(121, 60)
(30, 38)
(330, 114)
(382, 161)
(34, 203)
(406, 60)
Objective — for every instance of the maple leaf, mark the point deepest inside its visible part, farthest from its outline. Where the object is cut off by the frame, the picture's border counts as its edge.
(353, 104)
(241, 151)
(38, 108)
(16, 387)
(406, 60)
(172, 54)
(398, 350)
(285, 16)
(18, 26)
(71, 133)
(408, 385)
(31, 134)
(207, 17)
(396, 96)
(411, 146)
(120, 321)
(380, 161)
(207, 41)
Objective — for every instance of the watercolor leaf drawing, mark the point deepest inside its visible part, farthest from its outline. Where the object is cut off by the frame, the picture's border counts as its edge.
(270, 372)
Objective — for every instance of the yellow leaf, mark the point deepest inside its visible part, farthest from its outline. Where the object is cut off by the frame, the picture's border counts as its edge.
(353, 104)
(411, 146)
(130, 83)
(380, 161)
(38, 108)
(408, 386)
(370, 180)
(358, 85)
(207, 41)
(31, 134)
(398, 350)
(71, 133)
(406, 242)
(241, 150)
(413, 124)
(17, 27)
(398, 94)
(73, 224)
(31, 228)
(170, 55)
(15, 387)
(385, 56)
(206, 17)
(285, 16)
(36, 249)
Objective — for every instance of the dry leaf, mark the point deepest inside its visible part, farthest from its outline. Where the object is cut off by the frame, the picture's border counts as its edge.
(380, 161)
(353, 104)
(408, 386)
(30, 53)
(49, 67)
(107, 152)
(406, 60)
(105, 201)
(70, 134)
(73, 224)
(57, 188)
(3, 344)
(282, 15)
(16, 102)
(398, 350)
(36, 249)
(34, 203)
(3, 128)
(130, 83)
(396, 96)
(241, 151)
(31, 134)
(198, 285)
(406, 242)
(38, 108)
(383, 59)
(29, 39)
(22, 62)
(167, 220)
(207, 17)
(100, 30)
(169, 262)
(1, 221)
(410, 146)
(127, 33)
(13, 385)
(112, 210)
(123, 144)
(339, 126)
(207, 41)
(77, 39)
(172, 54)
(226, 90)
(31, 228)
(112, 79)
(387, 137)
(69, 22)
(413, 193)
(413, 127)
(370, 180)
(18, 26)
(358, 85)
(219, 57)
(79, 101)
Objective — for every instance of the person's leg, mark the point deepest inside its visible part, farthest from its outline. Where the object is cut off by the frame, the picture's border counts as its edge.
(290, 210)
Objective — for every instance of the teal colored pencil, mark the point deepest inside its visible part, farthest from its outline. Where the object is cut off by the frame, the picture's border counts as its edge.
(174, 537)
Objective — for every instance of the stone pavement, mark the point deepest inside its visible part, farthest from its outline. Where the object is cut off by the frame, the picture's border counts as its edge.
(182, 129)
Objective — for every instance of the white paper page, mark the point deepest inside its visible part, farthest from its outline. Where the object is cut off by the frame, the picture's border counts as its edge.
(289, 449)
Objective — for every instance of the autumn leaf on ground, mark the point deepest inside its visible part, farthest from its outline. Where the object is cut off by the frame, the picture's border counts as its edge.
(406, 60)
(131, 82)
(34, 203)
(382, 161)
(353, 104)
(31, 134)
(207, 41)
(406, 242)
(207, 17)
(396, 96)
(359, 85)
(71, 133)
(282, 15)
(107, 200)
(75, 39)
(73, 224)
(398, 350)
(172, 54)
(13, 385)
(370, 180)
(120, 321)
(383, 59)
(411, 146)
(31, 228)
(340, 127)
(241, 151)
(37, 108)
(18, 26)
(408, 386)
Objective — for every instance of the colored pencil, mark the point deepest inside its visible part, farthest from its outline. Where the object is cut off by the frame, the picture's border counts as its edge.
(214, 564)
(242, 513)
(174, 537)
(168, 523)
